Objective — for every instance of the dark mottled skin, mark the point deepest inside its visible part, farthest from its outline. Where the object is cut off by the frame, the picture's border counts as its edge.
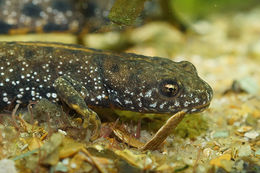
(23, 16)
(28, 71)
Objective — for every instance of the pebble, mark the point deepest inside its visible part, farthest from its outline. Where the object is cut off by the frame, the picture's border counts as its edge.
(244, 150)
(244, 129)
(251, 134)
(220, 134)
(207, 152)
(7, 166)
(257, 153)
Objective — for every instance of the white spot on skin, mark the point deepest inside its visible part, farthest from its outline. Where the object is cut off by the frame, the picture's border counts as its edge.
(54, 95)
(19, 96)
(99, 97)
(208, 95)
(117, 100)
(193, 110)
(177, 103)
(162, 105)
(153, 105)
(186, 104)
(5, 99)
(128, 102)
(148, 93)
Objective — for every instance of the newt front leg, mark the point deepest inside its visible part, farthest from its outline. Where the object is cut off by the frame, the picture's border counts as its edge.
(73, 94)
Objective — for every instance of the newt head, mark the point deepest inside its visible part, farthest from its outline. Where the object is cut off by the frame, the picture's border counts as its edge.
(155, 85)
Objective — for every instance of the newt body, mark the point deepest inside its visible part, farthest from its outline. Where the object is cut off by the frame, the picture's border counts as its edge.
(124, 81)
(88, 79)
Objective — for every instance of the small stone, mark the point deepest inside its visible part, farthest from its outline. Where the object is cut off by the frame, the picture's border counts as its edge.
(251, 134)
(73, 165)
(217, 161)
(60, 167)
(207, 152)
(244, 129)
(244, 150)
(220, 134)
(7, 166)
(246, 84)
(62, 132)
(257, 153)
(254, 49)
(65, 161)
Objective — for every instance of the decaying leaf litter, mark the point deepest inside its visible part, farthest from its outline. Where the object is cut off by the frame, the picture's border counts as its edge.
(229, 137)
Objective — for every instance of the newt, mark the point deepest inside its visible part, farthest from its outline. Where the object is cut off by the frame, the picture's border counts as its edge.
(86, 79)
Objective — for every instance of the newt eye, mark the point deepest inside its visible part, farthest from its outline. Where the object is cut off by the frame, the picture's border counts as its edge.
(169, 88)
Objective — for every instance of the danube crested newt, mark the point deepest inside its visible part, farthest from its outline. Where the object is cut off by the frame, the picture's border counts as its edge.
(87, 78)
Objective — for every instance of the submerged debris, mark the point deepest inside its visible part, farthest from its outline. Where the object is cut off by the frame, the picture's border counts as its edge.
(246, 84)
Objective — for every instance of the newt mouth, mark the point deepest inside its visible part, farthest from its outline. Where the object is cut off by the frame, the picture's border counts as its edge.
(199, 108)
